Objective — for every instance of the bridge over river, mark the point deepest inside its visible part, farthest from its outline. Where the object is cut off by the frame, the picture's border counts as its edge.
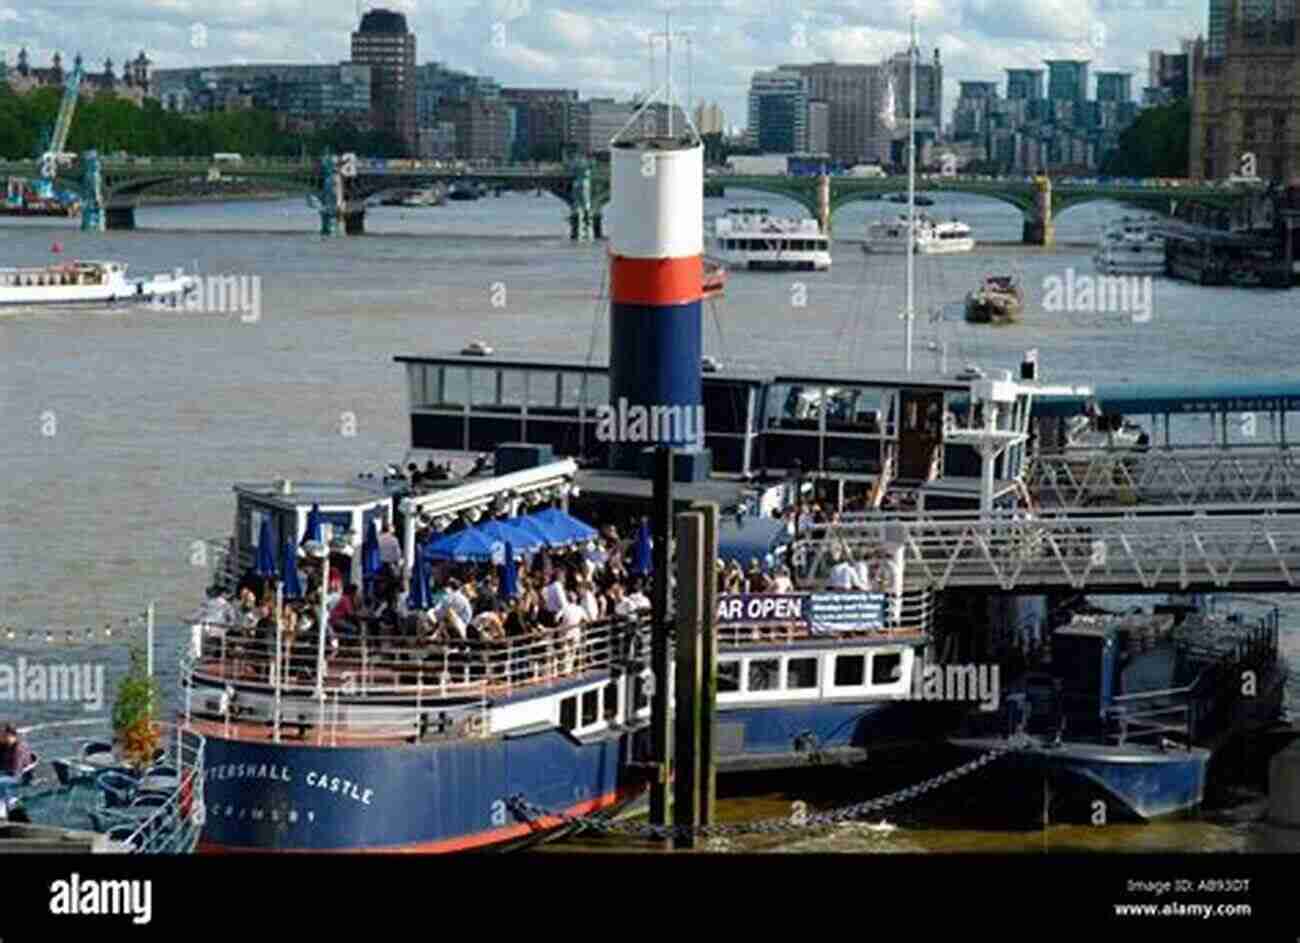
(338, 188)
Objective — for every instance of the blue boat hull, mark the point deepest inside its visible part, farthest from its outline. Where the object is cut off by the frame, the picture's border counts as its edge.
(429, 797)
(1088, 783)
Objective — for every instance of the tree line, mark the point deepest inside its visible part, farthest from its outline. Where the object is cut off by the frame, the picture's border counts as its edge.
(110, 124)
(1156, 145)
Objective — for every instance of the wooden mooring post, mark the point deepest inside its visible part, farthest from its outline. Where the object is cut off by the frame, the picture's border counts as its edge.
(690, 619)
(708, 788)
(660, 663)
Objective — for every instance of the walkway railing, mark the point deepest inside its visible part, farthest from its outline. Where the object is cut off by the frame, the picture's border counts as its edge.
(1243, 473)
(1163, 548)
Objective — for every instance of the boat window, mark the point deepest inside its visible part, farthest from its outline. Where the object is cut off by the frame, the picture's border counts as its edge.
(514, 388)
(640, 693)
(728, 677)
(611, 702)
(801, 673)
(455, 387)
(569, 713)
(542, 388)
(590, 707)
(886, 668)
(850, 670)
(726, 407)
(483, 387)
(764, 674)
(571, 392)
(597, 390)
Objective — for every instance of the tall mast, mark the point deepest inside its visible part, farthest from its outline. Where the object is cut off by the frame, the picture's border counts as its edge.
(910, 315)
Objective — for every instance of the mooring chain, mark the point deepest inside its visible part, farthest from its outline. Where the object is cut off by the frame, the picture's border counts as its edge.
(529, 812)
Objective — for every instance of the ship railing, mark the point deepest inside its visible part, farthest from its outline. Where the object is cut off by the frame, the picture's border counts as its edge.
(1150, 714)
(164, 810)
(405, 669)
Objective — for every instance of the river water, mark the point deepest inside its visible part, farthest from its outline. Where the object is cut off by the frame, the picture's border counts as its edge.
(123, 431)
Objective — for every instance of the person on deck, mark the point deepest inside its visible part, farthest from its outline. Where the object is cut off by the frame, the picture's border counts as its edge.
(844, 577)
(15, 754)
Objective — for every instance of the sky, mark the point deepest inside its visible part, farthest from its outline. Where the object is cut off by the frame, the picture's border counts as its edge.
(603, 47)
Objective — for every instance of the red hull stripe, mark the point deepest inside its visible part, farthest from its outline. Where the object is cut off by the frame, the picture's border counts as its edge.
(494, 836)
(656, 281)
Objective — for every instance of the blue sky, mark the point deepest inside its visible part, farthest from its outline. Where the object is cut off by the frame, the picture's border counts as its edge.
(601, 47)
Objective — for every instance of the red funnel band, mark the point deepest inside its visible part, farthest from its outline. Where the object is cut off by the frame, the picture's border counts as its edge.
(656, 281)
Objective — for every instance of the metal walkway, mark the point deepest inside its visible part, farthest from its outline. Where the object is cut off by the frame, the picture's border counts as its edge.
(1240, 474)
(1118, 550)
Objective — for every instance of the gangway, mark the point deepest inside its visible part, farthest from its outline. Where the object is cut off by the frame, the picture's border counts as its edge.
(1106, 550)
(1247, 474)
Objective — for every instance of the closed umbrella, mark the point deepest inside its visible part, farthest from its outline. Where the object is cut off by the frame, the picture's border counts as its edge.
(419, 596)
(292, 588)
(509, 574)
(313, 530)
(642, 551)
(265, 550)
(371, 563)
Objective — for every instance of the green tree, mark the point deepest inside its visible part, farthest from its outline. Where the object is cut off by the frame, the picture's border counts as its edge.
(138, 697)
(1156, 145)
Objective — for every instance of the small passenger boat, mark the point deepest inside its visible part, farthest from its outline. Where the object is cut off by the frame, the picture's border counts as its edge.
(87, 283)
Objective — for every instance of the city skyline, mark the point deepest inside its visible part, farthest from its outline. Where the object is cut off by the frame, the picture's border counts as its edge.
(602, 48)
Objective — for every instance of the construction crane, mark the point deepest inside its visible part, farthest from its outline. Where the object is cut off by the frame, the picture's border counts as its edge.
(54, 157)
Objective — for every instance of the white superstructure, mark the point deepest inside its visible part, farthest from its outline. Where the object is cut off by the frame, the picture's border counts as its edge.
(749, 237)
(1131, 246)
(73, 283)
(930, 236)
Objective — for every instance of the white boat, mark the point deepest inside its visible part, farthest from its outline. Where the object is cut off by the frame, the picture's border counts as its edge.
(931, 237)
(749, 237)
(73, 283)
(1131, 246)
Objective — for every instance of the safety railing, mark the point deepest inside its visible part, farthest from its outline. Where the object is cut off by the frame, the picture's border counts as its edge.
(384, 687)
(1249, 474)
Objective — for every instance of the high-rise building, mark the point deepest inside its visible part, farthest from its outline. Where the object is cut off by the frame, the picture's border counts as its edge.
(853, 95)
(819, 127)
(543, 121)
(482, 128)
(1067, 80)
(929, 89)
(778, 112)
(1025, 84)
(383, 42)
(971, 118)
(1248, 100)
(1114, 86)
(709, 119)
(1169, 76)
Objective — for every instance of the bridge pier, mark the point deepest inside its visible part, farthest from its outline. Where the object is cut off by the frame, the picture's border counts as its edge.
(1040, 228)
(824, 204)
(121, 216)
(354, 220)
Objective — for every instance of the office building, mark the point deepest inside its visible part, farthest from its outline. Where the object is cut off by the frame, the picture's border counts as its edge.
(1067, 80)
(383, 42)
(1025, 85)
(778, 112)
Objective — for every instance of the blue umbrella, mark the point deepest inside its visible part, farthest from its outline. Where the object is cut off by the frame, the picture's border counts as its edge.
(292, 588)
(371, 563)
(508, 532)
(420, 595)
(265, 550)
(563, 527)
(642, 551)
(509, 574)
(313, 530)
(470, 544)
